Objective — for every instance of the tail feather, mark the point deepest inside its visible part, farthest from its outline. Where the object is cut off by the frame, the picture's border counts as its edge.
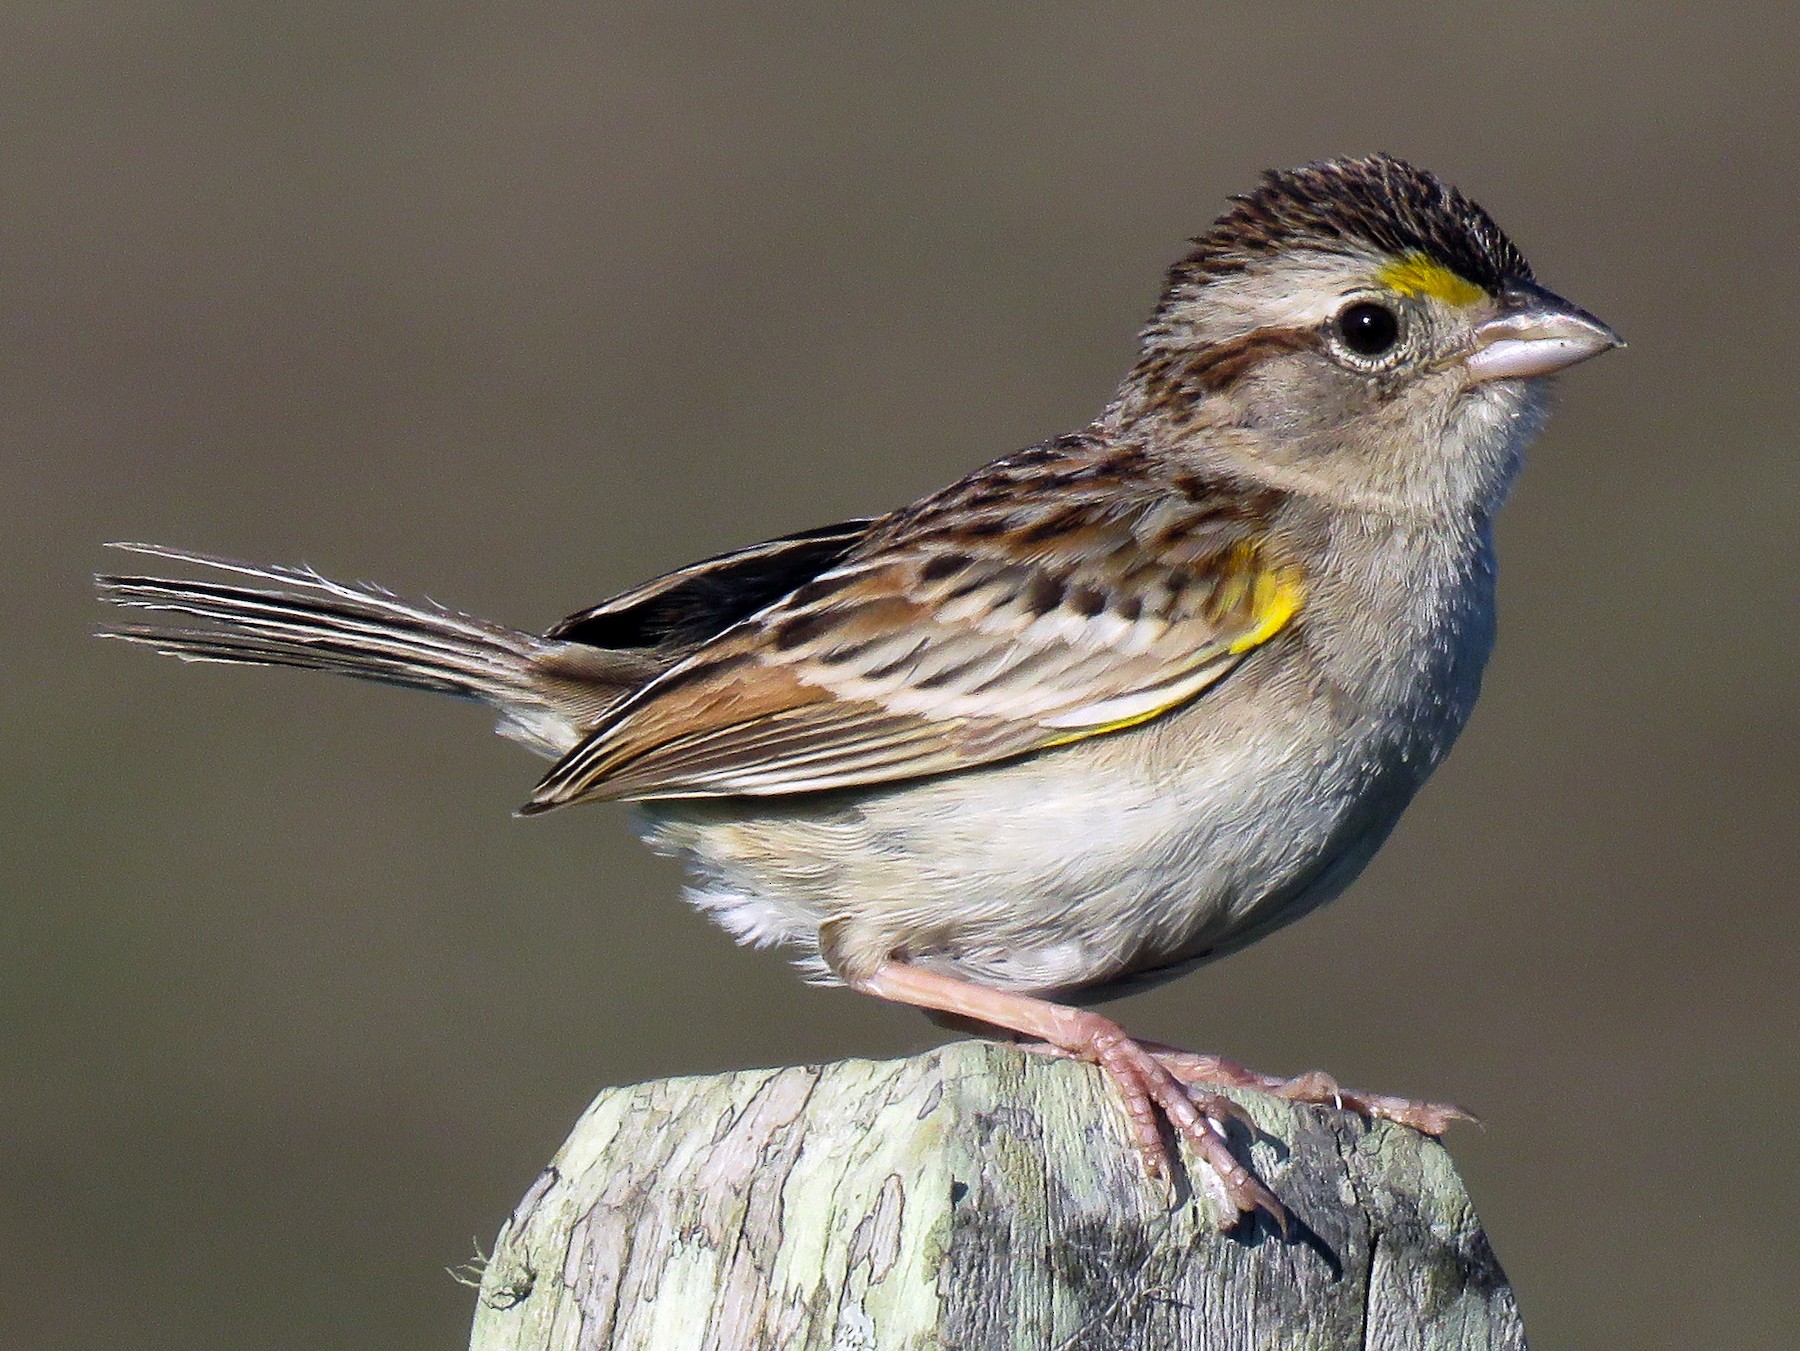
(366, 631)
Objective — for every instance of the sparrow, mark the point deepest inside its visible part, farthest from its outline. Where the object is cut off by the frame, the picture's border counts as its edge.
(1099, 711)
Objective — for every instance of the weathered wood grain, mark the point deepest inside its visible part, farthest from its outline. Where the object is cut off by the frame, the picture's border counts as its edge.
(974, 1197)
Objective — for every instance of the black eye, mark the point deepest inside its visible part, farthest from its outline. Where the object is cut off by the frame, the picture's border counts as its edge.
(1368, 329)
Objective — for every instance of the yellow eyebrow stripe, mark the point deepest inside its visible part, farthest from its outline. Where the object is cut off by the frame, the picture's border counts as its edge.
(1417, 275)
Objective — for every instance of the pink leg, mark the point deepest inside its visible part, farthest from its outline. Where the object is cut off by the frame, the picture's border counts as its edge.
(1144, 1083)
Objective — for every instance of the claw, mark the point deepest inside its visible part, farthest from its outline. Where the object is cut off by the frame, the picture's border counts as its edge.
(1313, 1086)
(1221, 1108)
(1150, 1089)
(1146, 1085)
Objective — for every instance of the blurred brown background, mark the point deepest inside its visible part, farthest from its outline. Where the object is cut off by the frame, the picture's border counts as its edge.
(515, 305)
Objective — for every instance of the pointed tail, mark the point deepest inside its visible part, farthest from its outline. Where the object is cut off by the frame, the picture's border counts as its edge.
(542, 693)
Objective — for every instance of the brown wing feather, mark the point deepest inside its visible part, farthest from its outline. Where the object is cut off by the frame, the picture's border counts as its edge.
(1038, 602)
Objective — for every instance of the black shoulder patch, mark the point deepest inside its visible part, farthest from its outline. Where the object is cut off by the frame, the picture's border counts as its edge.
(696, 603)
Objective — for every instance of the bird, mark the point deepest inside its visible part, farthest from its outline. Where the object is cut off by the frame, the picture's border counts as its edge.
(1097, 712)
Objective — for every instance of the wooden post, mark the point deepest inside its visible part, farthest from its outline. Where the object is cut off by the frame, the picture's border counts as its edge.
(979, 1198)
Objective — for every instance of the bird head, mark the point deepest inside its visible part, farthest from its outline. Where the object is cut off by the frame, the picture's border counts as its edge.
(1360, 329)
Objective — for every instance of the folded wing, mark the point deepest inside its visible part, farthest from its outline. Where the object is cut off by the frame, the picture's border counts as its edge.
(956, 638)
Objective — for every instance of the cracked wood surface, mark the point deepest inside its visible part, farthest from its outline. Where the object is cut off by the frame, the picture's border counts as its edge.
(974, 1197)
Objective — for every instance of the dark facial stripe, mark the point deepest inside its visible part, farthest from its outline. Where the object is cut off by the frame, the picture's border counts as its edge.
(1216, 369)
(1174, 380)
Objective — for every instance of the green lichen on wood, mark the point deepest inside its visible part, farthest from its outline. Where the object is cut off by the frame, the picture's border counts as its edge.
(975, 1197)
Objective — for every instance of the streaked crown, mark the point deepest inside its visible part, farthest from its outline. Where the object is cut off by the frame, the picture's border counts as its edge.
(1377, 204)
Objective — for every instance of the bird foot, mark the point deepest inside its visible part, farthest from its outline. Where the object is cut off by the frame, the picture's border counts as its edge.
(1150, 1091)
(1147, 1086)
(1315, 1087)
